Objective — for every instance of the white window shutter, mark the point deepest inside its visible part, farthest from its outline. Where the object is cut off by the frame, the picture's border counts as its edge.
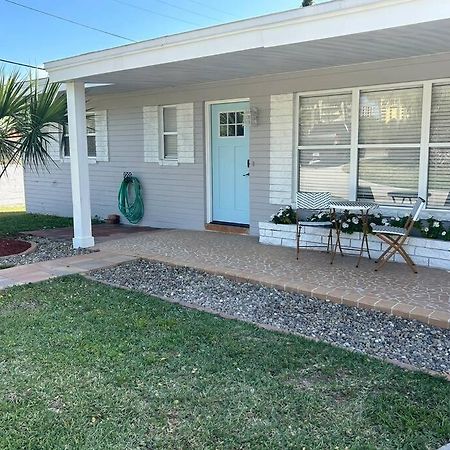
(54, 145)
(281, 148)
(185, 125)
(151, 134)
(101, 136)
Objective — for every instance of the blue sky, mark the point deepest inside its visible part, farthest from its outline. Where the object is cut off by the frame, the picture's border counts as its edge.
(32, 38)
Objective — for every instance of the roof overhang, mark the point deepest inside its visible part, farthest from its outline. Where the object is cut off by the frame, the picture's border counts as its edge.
(337, 33)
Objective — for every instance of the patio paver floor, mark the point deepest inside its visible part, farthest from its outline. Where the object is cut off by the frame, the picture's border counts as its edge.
(424, 296)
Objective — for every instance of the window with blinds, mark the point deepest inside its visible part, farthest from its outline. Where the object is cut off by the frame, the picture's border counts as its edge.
(324, 144)
(90, 135)
(389, 145)
(169, 132)
(439, 150)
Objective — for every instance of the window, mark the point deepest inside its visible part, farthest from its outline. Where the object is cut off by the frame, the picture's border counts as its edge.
(90, 133)
(324, 144)
(169, 132)
(439, 149)
(231, 124)
(389, 145)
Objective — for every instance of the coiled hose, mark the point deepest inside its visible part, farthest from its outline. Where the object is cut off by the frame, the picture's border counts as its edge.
(132, 211)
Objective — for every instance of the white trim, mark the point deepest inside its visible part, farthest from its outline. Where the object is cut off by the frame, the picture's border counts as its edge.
(389, 145)
(323, 147)
(353, 165)
(422, 187)
(295, 150)
(439, 145)
(324, 21)
(208, 150)
(162, 133)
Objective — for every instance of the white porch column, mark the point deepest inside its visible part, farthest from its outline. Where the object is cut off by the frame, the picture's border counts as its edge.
(79, 165)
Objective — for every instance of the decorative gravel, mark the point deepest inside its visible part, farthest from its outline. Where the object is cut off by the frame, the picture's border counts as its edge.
(371, 332)
(47, 249)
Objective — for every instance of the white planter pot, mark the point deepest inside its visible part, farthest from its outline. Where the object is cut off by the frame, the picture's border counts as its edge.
(424, 252)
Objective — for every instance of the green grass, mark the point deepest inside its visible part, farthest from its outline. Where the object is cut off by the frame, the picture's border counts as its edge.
(12, 223)
(84, 366)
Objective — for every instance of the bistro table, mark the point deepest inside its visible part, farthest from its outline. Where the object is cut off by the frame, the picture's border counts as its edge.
(351, 206)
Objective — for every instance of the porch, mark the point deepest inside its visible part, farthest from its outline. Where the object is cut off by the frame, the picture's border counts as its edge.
(395, 290)
(341, 49)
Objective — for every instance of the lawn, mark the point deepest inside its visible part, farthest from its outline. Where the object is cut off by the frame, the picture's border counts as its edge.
(12, 223)
(84, 366)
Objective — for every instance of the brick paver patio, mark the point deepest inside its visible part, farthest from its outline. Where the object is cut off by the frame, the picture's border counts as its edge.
(396, 290)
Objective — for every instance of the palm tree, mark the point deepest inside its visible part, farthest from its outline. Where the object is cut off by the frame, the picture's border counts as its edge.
(31, 117)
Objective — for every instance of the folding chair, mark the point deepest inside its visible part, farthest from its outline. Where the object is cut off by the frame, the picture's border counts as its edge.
(395, 237)
(318, 202)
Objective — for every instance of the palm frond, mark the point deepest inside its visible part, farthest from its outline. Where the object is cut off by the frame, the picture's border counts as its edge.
(46, 115)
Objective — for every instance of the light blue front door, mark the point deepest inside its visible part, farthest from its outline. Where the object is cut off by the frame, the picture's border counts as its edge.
(230, 163)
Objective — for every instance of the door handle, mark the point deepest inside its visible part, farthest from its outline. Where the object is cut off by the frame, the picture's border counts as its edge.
(246, 174)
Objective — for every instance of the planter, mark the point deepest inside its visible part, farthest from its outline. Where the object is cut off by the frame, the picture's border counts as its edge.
(113, 219)
(424, 252)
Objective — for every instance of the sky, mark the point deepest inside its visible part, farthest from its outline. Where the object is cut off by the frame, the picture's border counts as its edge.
(32, 38)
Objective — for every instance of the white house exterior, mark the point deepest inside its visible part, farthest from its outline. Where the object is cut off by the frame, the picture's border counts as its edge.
(226, 123)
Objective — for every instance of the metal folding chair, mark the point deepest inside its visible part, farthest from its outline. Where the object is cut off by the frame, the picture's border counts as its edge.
(317, 202)
(396, 237)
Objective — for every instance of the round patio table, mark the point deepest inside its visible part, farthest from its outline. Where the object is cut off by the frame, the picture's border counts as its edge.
(351, 206)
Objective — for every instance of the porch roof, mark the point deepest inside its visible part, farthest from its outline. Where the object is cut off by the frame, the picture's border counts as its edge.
(341, 32)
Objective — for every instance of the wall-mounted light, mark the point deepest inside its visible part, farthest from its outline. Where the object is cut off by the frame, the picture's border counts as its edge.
(251, 116)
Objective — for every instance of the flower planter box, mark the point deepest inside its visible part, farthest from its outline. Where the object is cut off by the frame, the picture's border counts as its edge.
(424, 252)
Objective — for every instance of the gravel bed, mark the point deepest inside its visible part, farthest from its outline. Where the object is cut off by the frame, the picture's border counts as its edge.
(47, 249)
(371, 332)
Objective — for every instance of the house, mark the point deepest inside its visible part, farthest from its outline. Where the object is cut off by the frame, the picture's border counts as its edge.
(224, 124)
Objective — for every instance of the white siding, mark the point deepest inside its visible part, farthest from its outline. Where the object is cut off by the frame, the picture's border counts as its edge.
(281, 148)
(101, 136)
(151, 134)
(185, 127)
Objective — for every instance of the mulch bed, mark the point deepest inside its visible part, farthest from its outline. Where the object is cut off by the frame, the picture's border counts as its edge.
(13, 246)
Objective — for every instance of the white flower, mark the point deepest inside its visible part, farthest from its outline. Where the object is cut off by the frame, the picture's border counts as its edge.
(349, 220)
(378, 215)
(345, 225)
(397, 219)
(426, 229)
(373, 224)
(385, 221)
(444, 233)
(272, 217)
(436, 224)
(355, 220)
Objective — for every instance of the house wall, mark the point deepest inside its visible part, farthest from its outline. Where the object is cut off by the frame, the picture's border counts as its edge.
(175, 196)
(12, 187)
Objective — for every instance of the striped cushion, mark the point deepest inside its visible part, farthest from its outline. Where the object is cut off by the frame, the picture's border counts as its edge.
(387, 229)
(362, 205)
(313, 200)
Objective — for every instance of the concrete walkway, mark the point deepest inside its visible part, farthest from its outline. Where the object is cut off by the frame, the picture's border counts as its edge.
(32, 273)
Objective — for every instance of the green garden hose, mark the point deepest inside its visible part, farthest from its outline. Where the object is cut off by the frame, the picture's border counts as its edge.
(132, 211)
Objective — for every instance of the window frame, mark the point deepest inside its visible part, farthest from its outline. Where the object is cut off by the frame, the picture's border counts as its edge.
(94, 134)
(424, 144)
(163, 133)
(235, 124)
